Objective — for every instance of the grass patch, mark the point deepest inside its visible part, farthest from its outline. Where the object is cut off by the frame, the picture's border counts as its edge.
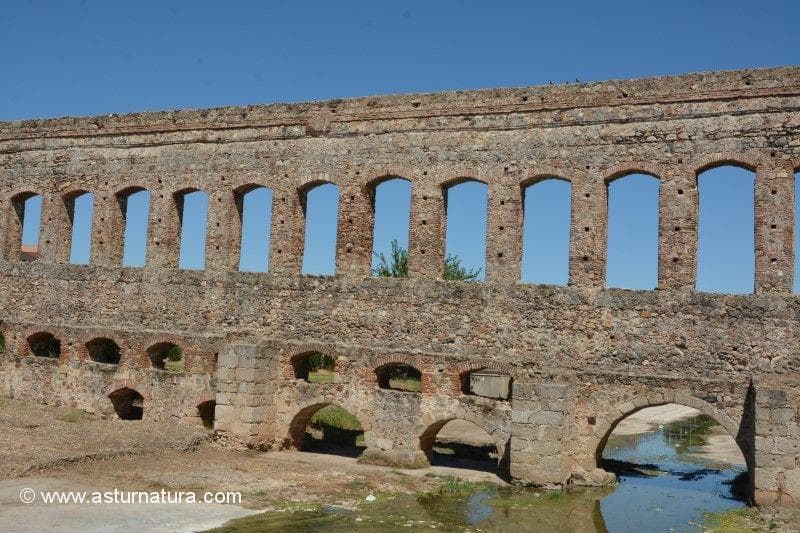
(406, 384)
(741, 520)
(335, 417)
(320, 375)
(174, 366)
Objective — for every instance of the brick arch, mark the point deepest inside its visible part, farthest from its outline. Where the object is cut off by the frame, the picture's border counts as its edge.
(83, 352)
(25, 334)
(462, 178)
(380, 176)
(290, 355)
(542, 174)
(166, 338)
(635, 167)
(456, 372)
(748, 161)
(370, 370)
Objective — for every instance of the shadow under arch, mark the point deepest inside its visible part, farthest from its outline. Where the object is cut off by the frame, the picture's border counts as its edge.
(338, 433)
(743, 433)
(494, 457)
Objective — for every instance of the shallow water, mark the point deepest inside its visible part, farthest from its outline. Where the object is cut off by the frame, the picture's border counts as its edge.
(669, 490)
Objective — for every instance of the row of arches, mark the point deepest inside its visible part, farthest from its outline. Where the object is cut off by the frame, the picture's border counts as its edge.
(163, 355)
(725, 254)
(319, 367)
(128, 404)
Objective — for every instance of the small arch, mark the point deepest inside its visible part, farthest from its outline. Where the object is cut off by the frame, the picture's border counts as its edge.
(166, 356)
(726, 228)
(314, 367)
(44, 344)
(134, 205)
(320, 202)
(399, 376)
(486, 382)
(254, 208)
(206, 411)
(547, 221)
(128, 404)
(28, 208)
(465, 228)
(327, 428)
(390, 198)
(726, 160)
(103, 350)
(79, 205)
(632, 232)
(192, 210)
(460, 443)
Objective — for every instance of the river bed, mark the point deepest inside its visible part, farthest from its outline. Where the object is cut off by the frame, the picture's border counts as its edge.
(666, 483)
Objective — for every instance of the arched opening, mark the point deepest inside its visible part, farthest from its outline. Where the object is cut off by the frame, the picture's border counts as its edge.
(128, 404)
(391, 205)
(632, 245)
(254, 206)
(487, 383)
(134, 204)
(327, 428)
(547, 212)
(399, 377)
(80, 207)
(314, 367)
(44, 344)
(796, 279)
(103, 350)
(459, 443)
(670, 451)
(726, 235)
(465, 206)
(28, 207)
(321, 209)
(206, 412)
(192, 206)
(166, 356)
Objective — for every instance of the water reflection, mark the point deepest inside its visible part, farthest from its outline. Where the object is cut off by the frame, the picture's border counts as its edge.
(664, 485)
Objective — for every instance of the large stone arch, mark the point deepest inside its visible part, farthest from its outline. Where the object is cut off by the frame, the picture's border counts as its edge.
(743, 435)
(305, 410)
(433, 422)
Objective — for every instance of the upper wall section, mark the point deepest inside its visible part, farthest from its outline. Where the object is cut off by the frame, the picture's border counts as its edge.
(672, 128)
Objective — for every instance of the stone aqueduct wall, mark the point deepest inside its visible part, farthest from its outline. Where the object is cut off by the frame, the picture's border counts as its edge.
(582, 357)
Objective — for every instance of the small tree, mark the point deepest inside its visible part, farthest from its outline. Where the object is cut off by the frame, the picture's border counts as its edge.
(175, 354)
(396, 267)
(454, 270)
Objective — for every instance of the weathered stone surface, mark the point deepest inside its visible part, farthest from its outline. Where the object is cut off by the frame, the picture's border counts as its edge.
(581, 357)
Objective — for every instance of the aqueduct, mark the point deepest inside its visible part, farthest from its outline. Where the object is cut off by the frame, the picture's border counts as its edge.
(580, 357)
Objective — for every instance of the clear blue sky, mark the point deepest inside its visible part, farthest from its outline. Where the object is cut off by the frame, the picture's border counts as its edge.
(96, 57)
